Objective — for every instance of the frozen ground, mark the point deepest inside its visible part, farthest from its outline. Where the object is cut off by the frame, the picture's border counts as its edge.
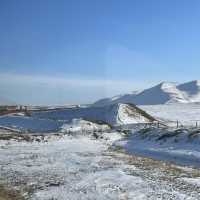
(178, 145)
(80, 168)
(186, 114)
(79, 126)
(30, 124)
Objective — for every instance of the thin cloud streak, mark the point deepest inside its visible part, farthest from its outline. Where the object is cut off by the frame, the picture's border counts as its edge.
(77, 82)
(32, 89)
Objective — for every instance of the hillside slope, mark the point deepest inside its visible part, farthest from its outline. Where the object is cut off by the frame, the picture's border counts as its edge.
(191, 91)
(71, 119)
(115, 114)
(176, 145)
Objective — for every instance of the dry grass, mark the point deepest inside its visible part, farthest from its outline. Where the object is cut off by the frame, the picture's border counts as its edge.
(9, 194)
(15, 136)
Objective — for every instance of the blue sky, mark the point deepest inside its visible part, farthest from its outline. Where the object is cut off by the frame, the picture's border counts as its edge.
(76, 51)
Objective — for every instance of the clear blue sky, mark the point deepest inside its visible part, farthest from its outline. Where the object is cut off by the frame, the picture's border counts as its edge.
(80, 50)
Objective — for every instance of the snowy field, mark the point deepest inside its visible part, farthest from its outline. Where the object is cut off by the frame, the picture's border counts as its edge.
(75, 168)
(186, 114)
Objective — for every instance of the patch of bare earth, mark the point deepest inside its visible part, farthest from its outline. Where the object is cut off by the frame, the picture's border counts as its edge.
(9, 194)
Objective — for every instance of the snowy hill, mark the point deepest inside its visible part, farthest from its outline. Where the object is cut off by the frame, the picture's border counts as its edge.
(73, 119)
(165, 92)
(115, 114)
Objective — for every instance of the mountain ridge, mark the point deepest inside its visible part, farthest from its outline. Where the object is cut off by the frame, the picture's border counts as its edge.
(162, 93)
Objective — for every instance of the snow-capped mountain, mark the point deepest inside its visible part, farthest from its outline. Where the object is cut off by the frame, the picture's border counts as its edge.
(114, 114)
(165, 92)
(191, 91)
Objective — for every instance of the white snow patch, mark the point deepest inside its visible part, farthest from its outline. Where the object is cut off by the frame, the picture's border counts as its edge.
(193, 181)
(126, 115)
(83, 126)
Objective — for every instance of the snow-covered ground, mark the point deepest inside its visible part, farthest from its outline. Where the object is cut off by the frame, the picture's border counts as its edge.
(178, 145)
(80, 126)
(186, 114)
(75, 168)
(81, 166)
(30, 124)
